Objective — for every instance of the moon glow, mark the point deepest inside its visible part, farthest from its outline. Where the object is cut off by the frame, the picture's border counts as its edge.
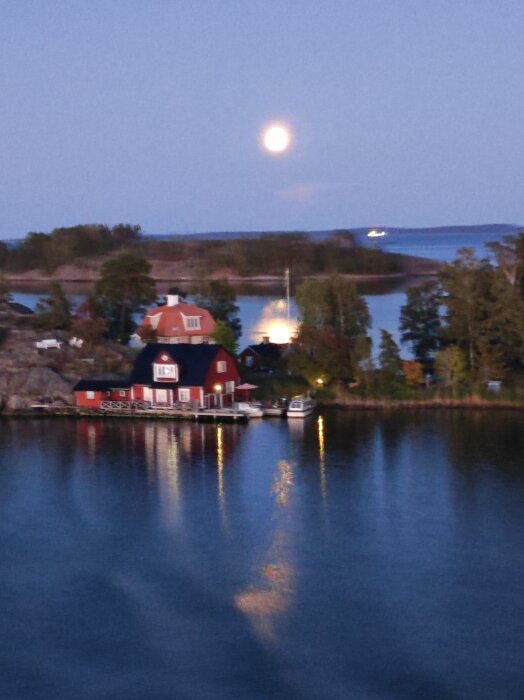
(276, 138)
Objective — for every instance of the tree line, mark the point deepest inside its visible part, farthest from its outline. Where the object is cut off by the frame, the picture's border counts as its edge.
(265, 254)
(464, 328)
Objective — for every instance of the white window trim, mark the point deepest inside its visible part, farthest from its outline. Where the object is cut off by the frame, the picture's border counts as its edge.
(90, 395)
(221, 366)
(160, 372)
(184, 395)
(192, 323)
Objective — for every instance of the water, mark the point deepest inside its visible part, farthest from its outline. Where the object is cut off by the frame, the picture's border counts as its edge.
(354, 555)
(441, 244)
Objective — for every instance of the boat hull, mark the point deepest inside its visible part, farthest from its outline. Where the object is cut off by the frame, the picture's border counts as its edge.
(300, 413)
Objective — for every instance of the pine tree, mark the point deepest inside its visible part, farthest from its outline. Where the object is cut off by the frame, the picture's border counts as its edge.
(420, 320)
(54, 311)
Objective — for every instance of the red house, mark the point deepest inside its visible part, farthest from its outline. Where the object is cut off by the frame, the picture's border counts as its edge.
(176, 321)
(168, 375)
(263, 356)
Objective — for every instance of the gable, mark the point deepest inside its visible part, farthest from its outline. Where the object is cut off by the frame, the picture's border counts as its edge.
(165, 369)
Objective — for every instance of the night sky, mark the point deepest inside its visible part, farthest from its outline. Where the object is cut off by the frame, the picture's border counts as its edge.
(402, 113)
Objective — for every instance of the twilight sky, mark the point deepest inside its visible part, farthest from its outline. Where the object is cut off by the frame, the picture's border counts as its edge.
(403, 112)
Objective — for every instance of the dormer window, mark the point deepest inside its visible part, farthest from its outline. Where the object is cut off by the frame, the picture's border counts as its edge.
(165, 373)
(192, 323)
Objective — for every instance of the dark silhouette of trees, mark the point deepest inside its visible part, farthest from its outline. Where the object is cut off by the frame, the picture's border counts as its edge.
(124, 288)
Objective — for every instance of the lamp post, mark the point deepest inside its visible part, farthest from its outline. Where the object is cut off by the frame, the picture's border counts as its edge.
(218, 394)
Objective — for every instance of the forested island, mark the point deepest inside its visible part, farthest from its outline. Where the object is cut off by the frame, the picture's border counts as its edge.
(76, 254)
(463, 327)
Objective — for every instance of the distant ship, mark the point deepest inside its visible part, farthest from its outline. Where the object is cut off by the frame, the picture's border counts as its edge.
(376, 234)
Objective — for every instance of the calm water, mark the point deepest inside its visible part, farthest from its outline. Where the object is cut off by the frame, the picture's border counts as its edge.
(350, 556)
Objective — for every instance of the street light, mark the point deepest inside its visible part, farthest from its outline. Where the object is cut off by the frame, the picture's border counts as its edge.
(218, 392)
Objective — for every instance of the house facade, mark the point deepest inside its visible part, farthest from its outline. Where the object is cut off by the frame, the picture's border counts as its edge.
(178, 322)
(264, 355)
(167, 375)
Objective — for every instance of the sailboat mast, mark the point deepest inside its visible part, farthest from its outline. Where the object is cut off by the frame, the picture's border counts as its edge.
(288, 304)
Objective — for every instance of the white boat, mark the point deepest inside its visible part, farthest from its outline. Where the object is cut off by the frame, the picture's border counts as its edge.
(300, 407)
(376, 234)
(250, 410)
(278, 409)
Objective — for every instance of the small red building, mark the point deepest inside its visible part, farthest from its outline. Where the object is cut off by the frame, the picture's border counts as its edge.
(168, 375)
(263, 356)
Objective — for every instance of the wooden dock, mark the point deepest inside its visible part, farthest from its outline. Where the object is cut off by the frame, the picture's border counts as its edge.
(203, 414)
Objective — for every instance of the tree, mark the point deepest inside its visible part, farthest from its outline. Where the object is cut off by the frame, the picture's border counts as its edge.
(4, 289)
(175, 289)
(223, 335)
(451, 366)
(54, 311)
(148, 334)
(413, 372)
(219, 298)
(420, 320)
(4, 254)
(466, 297)
(484, 311)
(124, 288)
(389, 357)
(91, 330)
(333, 303)
(509, 255)
(321, 352)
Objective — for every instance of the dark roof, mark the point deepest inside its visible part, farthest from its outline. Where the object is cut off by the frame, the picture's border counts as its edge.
(101, 384)
(17, 308)
(193, 360)
(268, 351)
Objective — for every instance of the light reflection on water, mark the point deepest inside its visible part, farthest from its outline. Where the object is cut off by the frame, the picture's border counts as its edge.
(345, 555)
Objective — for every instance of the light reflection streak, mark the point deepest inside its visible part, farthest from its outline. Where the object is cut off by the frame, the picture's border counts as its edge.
(322, 456)
(272, 594)
(220, 477)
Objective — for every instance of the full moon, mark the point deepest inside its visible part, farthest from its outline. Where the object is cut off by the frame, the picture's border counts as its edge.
(276, 138)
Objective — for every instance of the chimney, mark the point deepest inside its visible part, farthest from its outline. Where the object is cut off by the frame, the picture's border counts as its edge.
(265, 339)
(172, 299)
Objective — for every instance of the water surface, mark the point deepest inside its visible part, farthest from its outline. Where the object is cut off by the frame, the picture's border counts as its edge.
(346, 556)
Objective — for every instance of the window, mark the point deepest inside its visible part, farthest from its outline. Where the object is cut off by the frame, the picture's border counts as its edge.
(249, 360)
(183, 394)
(192, 322)
(122, 393)
(161, 395)
(165, 372)
(230, 388)
(90, 395)
(221, 366)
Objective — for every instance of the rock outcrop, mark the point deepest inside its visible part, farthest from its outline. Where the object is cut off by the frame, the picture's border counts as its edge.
(20, 388)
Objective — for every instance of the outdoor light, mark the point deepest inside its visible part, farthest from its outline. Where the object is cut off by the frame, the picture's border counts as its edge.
(218, 388)
(320, 381)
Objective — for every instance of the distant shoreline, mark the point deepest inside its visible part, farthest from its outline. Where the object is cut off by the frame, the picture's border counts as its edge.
(77, 276)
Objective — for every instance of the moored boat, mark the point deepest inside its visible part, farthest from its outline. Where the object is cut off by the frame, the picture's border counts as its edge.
(277, 409)
(250, 410)
(300, 407)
